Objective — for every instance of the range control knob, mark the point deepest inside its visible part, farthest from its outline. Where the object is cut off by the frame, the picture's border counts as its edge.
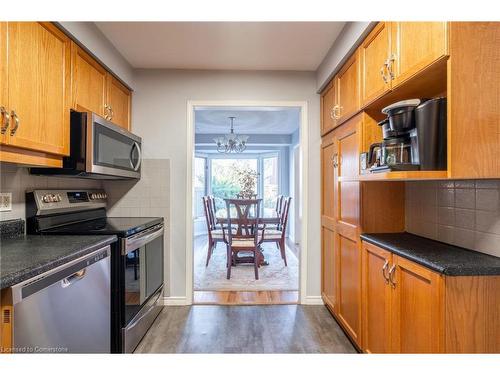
(46, 198)
(58, 197)
(92, 196)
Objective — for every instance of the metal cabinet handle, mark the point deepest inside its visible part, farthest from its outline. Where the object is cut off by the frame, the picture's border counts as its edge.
(389, 66)
(332, 113)
(111, 113)
(382, 72)
(335, 160)
(15, 117)
(336, 112)
(391, 274)
(384, 268)
(5, 119)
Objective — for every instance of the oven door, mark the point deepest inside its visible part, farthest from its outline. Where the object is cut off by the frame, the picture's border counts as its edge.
(143, 284)
(113, 150)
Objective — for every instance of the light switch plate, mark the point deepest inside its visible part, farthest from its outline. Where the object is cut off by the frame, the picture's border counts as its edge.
(5, 201)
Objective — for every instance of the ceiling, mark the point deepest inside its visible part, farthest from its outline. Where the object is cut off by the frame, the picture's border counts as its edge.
(249, 120)
(223, 45)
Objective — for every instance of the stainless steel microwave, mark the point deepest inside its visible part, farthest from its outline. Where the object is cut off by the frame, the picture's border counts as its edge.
(99, 149)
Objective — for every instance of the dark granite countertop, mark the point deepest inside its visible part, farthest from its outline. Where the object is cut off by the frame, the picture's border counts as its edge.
(438, 256)
(27, 256)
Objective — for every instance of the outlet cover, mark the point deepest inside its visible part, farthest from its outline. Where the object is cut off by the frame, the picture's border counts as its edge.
(5, 201)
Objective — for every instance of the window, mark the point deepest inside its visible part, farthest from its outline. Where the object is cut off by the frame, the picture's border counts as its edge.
(200, 188)
(230, 176)
(270, 174)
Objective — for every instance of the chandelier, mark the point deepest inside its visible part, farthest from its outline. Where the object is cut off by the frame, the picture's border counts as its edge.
(231, 142)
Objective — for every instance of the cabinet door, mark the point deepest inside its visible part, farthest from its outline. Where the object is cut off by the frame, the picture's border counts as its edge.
(4, 105)
(38, 88)
(374, 52)
(328, 154)
(348, 276)
(328, 100)
(88, 82)
(118, 101)
(347, 82)
(328, 261)
(417, 309)
(376, 295)
(416, 45)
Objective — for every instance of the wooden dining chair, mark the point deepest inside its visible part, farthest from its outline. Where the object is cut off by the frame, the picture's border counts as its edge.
(215, 235)
(246, 237)
(278, 235)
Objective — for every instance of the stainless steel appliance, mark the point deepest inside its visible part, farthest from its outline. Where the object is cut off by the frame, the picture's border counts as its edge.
(136, 260)
(99, 149)
(67, 309)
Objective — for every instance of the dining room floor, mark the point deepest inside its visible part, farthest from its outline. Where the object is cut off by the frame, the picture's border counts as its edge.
(273, 277)
(245, 329)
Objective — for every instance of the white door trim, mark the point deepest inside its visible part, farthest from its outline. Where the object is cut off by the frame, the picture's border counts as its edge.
(304, 153)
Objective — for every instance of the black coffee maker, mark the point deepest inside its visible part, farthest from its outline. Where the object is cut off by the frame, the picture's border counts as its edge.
(414, 135)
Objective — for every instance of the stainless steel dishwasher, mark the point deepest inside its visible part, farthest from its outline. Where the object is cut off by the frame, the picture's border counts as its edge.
(65, 310)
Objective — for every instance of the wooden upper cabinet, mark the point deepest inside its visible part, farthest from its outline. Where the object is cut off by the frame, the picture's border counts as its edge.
(376, 297)
(4, 107)
(416, 45)
(347, 85)
(328, 101)
(88, 82)
(374, 53)
(38, 87)
(417, 309)
(118, 100)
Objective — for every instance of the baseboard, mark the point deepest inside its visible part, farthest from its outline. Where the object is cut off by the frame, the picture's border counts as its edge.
(175, 301)
(313, 300)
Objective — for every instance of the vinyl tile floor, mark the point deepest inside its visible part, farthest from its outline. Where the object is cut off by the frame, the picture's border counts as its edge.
(245, 329)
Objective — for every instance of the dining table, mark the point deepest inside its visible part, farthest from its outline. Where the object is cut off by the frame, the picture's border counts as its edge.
(267, 220)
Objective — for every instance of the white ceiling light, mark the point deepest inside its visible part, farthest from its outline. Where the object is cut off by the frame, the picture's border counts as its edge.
(231, 142)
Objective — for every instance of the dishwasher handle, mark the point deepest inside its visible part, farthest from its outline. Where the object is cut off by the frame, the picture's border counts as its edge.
(70, 280)
(66, 275)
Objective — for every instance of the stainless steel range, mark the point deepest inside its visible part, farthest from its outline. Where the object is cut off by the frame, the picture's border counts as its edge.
(136, 260)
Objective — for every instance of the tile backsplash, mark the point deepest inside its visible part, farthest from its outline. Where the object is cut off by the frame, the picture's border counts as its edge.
(464, 213)
(17, 180)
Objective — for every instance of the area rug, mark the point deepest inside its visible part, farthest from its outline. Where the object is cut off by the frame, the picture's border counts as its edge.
(274, 276)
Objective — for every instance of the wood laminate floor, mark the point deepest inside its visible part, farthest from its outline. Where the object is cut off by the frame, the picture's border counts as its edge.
(245, 329)
(265, 297)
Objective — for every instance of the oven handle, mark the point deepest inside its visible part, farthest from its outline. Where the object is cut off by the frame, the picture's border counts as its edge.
(141, 239)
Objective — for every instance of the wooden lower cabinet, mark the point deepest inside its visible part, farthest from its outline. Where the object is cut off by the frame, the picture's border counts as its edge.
(376, 297)
(416, 308)
(407, 308)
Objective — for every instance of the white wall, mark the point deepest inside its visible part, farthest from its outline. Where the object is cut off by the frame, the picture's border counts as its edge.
(160, 116)
(348, 40)
(94, 40)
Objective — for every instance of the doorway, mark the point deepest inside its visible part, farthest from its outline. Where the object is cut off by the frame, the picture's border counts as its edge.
(274, 158)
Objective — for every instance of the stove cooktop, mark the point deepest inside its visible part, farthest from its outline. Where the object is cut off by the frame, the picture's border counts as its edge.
(120, 226)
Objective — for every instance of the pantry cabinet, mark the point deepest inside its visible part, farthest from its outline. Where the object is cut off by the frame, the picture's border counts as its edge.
(96, 90)
(374, 53)
(348, 276)
(415, 46)
(328, 284)
(35, 95)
